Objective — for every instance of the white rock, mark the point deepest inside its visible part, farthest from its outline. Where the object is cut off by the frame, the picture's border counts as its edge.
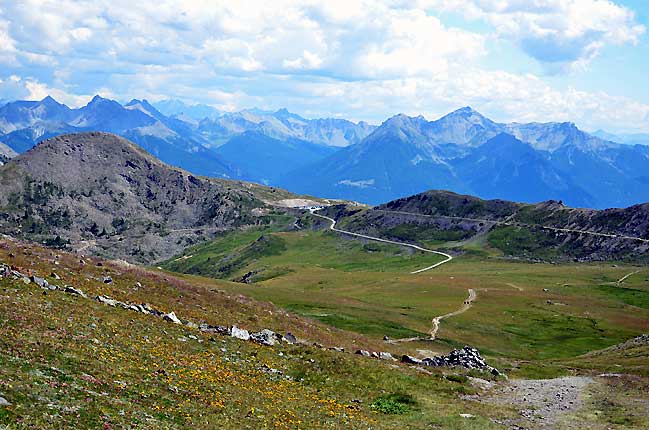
(240, 333)
(171, 316)
(106, 300)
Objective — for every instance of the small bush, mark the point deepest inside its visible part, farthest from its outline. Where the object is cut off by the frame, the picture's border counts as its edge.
(394, 404)
(461, 379)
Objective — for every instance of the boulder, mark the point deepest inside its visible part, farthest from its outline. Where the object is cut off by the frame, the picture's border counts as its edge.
(40, 282)
(106, 300)
(107, 280)
(289, 338)
(239, 333)
(218, 329)
(4, 402)
(71, 290)
(171, 317)
(386, 356)
(410, 360)
(363, 352)
(55, 276)
(19, 275)
(147, 309)
(266, 337)
(466, 357)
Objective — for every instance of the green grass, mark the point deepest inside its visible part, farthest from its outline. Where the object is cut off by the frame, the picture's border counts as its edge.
(518, 241)
(366, 287)
(299, 249)
(628, 296)
(412, 233)
(67, 362)
(353, 319)
(394, 404)
(72, 363)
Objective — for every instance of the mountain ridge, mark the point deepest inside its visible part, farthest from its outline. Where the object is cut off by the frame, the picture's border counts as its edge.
(101, 191)
(403, 156)
(438, 154)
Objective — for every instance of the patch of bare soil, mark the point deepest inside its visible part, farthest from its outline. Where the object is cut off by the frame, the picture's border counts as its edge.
(542, 404)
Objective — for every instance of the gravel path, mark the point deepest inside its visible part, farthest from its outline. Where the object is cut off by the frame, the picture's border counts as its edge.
(542, 403)
(465, 307)
(624, 278)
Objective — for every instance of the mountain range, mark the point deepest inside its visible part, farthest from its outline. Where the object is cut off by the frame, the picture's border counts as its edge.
(628, 138)
(463, 151)
(469, 153)
(122, 202)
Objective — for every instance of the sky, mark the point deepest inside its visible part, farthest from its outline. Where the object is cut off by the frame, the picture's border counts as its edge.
(584, 61)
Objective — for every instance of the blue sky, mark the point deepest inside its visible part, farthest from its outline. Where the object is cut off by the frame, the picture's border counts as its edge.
(514, 60)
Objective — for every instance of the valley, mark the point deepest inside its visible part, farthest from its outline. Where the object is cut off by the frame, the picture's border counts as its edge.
(339, 215)
(369, 289)
(252, 307)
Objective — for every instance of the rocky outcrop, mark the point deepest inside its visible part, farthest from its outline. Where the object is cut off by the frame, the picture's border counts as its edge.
(467, 357)
(266, 337)
(239, 333)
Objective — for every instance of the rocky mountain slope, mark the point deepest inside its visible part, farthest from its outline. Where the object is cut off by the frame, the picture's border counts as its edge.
(101, 193)
(257, 156)
(183, 140)
(546, 231)
(283, 125)
(6, 153)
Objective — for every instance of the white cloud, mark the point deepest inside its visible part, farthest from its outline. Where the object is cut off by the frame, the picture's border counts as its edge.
(365, 59)
(558, 33)
(359, 39)
(307, 61)
(500, 95)
(7, 45)
(15, 87)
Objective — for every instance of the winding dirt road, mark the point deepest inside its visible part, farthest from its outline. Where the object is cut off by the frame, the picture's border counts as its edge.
(435, 322)
(465, 307)
(377, 239)
(623, 278)
(508, 222)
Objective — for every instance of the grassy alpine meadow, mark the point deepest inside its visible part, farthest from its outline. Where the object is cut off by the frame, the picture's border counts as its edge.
(523, 312)
(71, 362)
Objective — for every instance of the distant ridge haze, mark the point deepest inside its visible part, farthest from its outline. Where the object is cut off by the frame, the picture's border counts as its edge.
(463, 151)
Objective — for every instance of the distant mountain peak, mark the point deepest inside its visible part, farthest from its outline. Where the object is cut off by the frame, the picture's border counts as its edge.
(466, 112)
(49, 100)
(97, 99)
(404, 123)
(283, 113)
(401, 118)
